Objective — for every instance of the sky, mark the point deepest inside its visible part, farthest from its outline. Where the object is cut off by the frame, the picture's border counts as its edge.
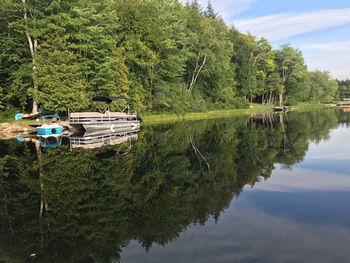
(320, 28)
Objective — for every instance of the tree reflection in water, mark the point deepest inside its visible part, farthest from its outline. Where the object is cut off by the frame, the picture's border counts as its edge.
(63, 205)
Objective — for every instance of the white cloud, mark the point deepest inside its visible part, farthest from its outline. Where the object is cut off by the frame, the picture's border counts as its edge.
(228, 8)
(285, 25)
(333, 57)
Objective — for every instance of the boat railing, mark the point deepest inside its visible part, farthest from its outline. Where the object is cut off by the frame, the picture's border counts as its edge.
(100, 140)
(101, 117)
(104, 113)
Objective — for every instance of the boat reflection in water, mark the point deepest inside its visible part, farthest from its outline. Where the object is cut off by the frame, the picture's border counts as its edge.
(345, 109)
(88, 140)
(91, 140)
(44, 141)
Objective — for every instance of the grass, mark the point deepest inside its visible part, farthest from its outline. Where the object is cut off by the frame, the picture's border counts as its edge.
(163, 118)
(311, 106)
(149, 119)
(254, 109)
(8, 115)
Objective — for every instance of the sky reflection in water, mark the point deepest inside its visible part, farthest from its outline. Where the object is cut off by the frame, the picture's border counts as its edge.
(297, 215)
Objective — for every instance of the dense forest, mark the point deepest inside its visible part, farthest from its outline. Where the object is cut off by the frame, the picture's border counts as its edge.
(163, 54)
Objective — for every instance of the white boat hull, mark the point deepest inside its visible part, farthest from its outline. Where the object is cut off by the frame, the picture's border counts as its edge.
(90, 141)
(111, 126)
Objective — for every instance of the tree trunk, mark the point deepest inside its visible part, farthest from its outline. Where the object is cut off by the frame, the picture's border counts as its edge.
(281, 96)
(35, 87)
(33, 46)
(270, 98)
(196, 71)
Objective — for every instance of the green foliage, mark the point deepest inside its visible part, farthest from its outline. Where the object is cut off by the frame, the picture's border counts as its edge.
(164, 55)
(136, 92)
(15, 68)
(112, 77)
(294, 75)
(210, 12)
(323, 87)
(343, 91)
(59, 79)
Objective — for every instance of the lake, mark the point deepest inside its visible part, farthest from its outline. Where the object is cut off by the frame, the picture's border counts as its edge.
(272, 188)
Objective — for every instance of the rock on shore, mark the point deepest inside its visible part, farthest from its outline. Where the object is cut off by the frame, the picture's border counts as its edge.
(12, 130)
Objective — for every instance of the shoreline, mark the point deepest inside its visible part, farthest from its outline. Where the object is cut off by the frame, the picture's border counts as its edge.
(151, 119)
(12, 129)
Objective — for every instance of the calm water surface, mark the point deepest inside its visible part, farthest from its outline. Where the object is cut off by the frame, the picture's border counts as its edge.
(264, 189)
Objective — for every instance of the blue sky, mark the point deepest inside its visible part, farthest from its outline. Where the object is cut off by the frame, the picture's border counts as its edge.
(320, 28)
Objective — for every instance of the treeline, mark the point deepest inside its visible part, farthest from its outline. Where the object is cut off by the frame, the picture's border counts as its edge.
(344, 89)
(164, 55)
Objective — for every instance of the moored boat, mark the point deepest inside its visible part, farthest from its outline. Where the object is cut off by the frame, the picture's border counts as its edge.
(344, 105)
(41, 114)
(280, 109)
(111, 126)
(106, 119)
(49, 129)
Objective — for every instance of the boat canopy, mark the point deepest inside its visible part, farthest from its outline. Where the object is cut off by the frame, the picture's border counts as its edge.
(110, 99)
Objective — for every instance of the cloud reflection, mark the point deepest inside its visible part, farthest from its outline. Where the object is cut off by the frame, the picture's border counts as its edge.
(247, 234)
(304, 180)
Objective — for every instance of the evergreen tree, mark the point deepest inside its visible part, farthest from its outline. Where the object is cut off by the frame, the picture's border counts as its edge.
(60, 83)
(112, 77)
(210, 12)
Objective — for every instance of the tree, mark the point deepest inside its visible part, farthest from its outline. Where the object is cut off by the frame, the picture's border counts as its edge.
(245, 58)
(197, 56)
(34, 25)
(15, 61)
(294, 75)
(266, 67)
(112, 77)
(210, 12)
(323, 87)
(216, 77)
(59, 78)
(32, 39)
(274, 86)
(344, 89)
(162, 54)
